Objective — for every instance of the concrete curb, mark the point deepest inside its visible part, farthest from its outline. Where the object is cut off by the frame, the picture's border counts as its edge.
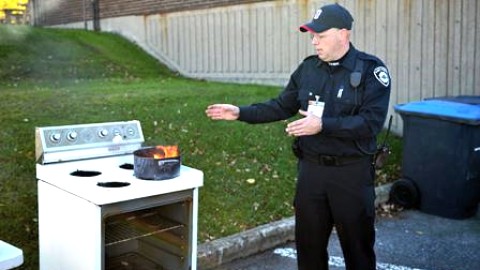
(244, 244)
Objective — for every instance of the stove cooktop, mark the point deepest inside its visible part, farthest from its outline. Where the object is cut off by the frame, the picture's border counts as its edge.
(88, 174)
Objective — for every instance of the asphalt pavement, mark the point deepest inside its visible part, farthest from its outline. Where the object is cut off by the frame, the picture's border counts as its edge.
(406, 240)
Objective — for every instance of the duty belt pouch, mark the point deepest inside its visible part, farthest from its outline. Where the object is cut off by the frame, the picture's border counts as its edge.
(296, 148)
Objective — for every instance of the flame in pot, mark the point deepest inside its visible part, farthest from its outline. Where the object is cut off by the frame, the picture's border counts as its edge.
(166, 151)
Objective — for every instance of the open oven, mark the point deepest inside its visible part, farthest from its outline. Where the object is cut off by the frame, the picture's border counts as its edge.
(153, 237)
(94, 213)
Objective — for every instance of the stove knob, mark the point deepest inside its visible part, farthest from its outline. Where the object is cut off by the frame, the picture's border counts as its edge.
(131, 132)
(72, 136)
(55, 137)
(103, 133)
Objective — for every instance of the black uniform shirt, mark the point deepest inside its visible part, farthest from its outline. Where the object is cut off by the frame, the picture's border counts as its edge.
(352, 116)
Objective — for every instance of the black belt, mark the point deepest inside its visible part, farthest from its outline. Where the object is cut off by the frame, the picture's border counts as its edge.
(326, 160)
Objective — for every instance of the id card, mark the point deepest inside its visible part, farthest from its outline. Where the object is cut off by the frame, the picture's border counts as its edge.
(316, 108)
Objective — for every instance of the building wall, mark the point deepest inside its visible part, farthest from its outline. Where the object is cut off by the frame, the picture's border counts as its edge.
(431, 47)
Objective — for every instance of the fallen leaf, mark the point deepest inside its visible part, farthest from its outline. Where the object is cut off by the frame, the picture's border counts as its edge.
(251, 181)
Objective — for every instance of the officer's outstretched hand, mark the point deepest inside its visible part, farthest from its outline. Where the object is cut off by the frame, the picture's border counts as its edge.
(308, 125)
(222, 112)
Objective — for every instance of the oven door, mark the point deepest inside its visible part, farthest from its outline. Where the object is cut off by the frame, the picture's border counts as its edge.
(149, 233)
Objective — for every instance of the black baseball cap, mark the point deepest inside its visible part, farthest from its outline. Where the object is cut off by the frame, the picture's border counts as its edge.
(329, 16)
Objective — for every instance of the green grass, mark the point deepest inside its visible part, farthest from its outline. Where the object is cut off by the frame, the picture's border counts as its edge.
(56, 77)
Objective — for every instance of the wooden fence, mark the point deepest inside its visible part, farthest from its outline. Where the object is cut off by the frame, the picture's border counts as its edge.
(431, 47)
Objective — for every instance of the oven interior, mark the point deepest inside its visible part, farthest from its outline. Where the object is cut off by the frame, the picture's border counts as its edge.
(152, 238)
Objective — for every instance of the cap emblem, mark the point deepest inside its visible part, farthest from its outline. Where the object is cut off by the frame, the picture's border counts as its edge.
(317, 14)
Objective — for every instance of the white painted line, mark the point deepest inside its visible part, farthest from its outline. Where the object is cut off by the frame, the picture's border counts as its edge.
(338, 261)
(286, 252)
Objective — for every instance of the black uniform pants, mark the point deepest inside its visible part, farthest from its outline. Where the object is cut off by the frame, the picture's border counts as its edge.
(340, 196)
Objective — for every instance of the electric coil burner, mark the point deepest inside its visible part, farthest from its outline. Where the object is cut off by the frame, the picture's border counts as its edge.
(94, 213)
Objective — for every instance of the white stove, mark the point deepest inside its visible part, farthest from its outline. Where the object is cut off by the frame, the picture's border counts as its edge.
(87, 186)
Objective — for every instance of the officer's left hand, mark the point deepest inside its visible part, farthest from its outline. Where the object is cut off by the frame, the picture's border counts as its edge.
(308, 125)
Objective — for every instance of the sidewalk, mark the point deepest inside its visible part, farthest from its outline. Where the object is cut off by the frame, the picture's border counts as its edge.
(256, 240)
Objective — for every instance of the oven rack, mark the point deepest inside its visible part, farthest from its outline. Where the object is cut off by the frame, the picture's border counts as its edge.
(135, 227)
(132, 260)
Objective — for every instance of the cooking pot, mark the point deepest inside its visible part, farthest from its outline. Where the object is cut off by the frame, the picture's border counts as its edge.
(157, 163)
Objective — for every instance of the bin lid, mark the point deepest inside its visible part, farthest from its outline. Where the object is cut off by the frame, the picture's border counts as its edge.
(473, 100)
(442, 109)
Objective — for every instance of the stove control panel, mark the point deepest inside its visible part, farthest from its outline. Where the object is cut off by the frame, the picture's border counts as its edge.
(88, 140)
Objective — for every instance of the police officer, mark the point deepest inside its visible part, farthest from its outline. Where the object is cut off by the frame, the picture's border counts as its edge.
(342, 95)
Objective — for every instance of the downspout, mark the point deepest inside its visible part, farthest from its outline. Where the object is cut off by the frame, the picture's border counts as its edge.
(85, 25)
(96, 15)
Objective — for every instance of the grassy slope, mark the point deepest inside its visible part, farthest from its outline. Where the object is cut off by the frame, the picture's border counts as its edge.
(54, 77)
(58, 55)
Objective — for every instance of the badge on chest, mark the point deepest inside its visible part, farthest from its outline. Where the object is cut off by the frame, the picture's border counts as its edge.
(316, 107)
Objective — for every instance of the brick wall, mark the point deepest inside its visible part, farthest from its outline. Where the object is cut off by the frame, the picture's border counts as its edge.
(52, 12)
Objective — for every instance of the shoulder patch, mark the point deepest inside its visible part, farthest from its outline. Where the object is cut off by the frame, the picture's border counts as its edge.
(381, 74)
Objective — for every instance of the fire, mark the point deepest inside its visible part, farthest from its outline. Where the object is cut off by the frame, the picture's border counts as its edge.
(166, 151)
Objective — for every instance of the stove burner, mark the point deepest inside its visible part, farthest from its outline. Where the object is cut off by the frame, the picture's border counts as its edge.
(113, 184)
(127, 166)
(81, 173)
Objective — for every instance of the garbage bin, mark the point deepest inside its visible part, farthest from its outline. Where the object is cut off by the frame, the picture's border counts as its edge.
(441, 157)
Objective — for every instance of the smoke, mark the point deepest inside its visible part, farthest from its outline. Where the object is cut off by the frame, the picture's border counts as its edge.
(48, 6)
(13, 34)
